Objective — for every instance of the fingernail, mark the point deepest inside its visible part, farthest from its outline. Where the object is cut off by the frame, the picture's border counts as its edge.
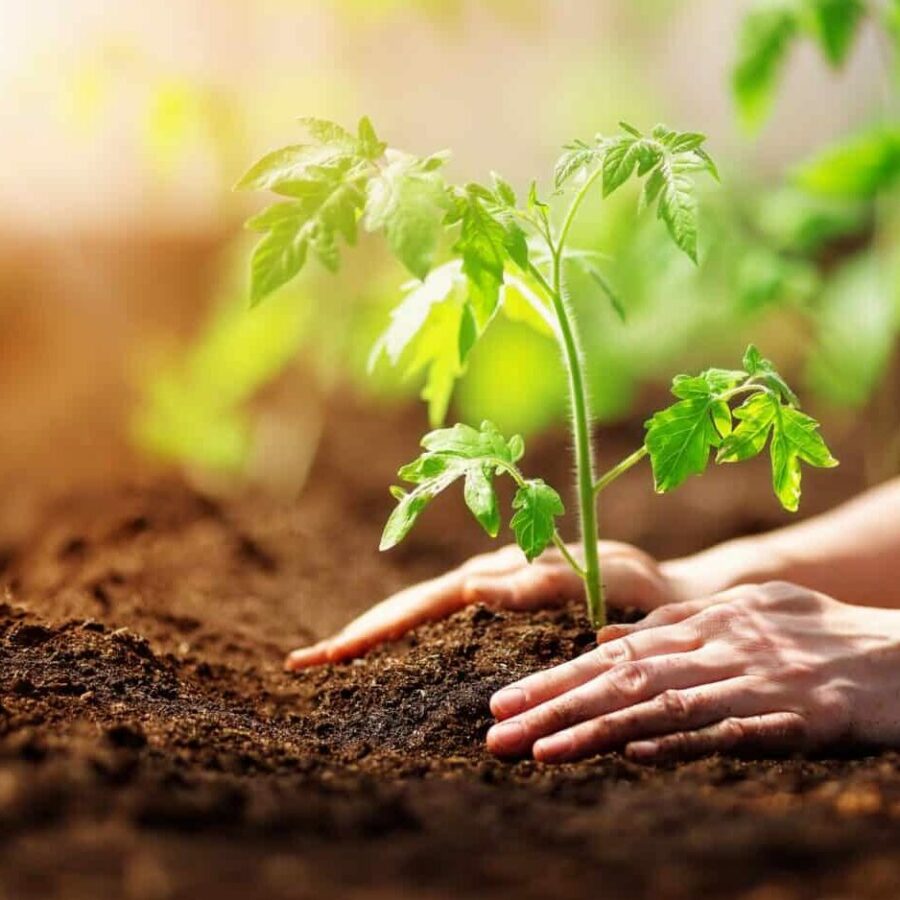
(507, 737)
(508, 702)
(612, 632)
(555, 747)
(642, 749)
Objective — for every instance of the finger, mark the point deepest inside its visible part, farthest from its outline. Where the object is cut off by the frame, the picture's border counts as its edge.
(572, 718)
(768, 733)
(542, 584)
(674, 709)
(306, 657)
(632, 580)
(544, 686)
(389, 619)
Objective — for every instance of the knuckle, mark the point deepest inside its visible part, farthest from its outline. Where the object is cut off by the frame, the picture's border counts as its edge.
(618, 651)
(733, 730)
(835, 710)
(628, 680)
(675, 706)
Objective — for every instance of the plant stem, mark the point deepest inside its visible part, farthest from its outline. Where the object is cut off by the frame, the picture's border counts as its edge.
(620, 469)
(567, 556)
(584, 456)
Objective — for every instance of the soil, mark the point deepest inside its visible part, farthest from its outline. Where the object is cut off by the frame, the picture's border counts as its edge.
(152, 748)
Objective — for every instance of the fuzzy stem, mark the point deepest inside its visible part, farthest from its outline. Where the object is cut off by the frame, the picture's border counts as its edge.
(581, 426)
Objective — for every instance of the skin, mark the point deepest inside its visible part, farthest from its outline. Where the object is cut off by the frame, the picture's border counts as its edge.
(744, 647)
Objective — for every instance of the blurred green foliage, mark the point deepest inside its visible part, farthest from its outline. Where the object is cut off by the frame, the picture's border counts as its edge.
(809, 256)
(193, 408)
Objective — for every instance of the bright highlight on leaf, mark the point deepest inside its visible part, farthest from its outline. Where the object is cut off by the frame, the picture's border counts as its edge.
(477, 455)
(681, 437)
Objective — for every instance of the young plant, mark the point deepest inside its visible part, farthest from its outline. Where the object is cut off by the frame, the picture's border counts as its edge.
(511, 256)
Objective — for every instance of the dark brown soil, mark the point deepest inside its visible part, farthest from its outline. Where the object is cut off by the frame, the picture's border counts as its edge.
(152, 748)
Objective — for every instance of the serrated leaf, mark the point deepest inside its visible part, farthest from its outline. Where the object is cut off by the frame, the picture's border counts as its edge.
(835, 24)
(369, 145)
(327, 132)
(403, 517)
(537, 506)
(619, 162)
(503, 190)
(483, 246)
(481, 498)
(452, 453)
(467, 442)
(794, 438)
(755, 417)
(311, 223)
(577, 157)
(765, 36)
(858, 167)
(679, 439)
(276, 259)
(764, 370)
(408, 202)
(678, 204)
(424, 334)
(296, 163)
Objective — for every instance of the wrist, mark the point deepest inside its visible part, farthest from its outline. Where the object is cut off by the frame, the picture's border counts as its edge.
(741, 561)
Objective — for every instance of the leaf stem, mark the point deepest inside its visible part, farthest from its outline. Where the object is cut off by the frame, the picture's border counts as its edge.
(561, 546)
(620, 469)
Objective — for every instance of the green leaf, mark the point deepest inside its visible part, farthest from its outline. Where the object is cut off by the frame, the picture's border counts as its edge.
(470, 443)
(669, 160)
(578, 156)
(403, 517)
(679, 439)
(452, 453)
(835, 24)
(678, 203)
(762, 369)
(857, 168)
(622, 156)
(765, 37)
(327, 132)
(408, 201)
(537, 506)
(755, 417)
(794, 438)
(312, 222)
(503, 191)
(297, 163)
(481, 498)
(484, 243)
(424, 333)
(369, 145)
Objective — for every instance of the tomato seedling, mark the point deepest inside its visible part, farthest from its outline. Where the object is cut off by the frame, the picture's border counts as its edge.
(513, 257)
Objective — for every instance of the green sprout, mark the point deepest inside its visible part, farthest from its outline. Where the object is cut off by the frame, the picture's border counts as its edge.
(502, 249)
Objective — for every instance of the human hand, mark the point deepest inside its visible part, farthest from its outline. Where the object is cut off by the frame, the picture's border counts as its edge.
(502, 579)
(769, 667)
